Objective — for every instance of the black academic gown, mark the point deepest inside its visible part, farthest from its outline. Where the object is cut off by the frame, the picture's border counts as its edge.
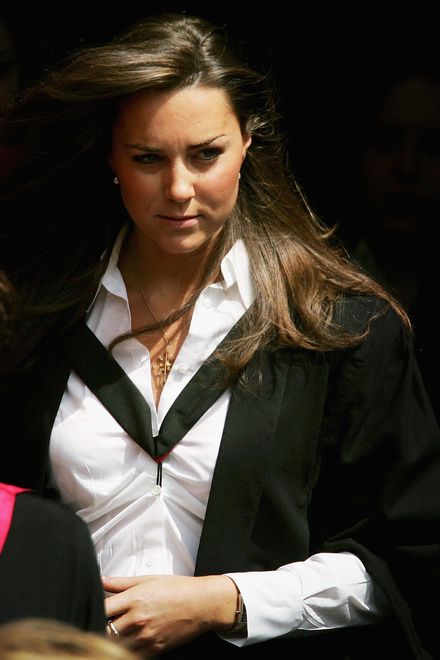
(336, 451)
(48, 566)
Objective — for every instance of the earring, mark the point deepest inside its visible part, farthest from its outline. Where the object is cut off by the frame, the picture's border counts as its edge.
(239, 176)
(115, 180)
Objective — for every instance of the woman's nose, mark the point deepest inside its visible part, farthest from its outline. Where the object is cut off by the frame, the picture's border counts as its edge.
(179, 183)
(408, 157)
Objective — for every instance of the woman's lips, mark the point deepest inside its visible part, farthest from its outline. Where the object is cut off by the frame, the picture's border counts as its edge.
(180, 221)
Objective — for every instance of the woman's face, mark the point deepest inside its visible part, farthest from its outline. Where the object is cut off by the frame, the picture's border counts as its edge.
(401, 167)
(177, 156)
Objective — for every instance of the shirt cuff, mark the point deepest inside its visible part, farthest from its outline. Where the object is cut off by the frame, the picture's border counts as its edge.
(283, 607)
(328, 590)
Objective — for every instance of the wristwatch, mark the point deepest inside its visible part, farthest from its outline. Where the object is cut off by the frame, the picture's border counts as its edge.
(240, 616)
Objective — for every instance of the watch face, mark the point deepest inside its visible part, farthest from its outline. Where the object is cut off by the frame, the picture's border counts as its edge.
(241, 614)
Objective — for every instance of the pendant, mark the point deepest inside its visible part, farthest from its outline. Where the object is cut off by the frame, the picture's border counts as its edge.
(163, 365)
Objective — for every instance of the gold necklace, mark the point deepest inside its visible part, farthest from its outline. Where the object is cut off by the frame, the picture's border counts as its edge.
(164, 362)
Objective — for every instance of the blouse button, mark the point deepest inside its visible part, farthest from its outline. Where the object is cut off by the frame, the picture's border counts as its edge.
(157, 490)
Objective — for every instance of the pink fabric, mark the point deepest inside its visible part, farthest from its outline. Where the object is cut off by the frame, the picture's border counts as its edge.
(7, 503)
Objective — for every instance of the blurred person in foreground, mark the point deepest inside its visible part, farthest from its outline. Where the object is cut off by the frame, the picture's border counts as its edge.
(35, 639)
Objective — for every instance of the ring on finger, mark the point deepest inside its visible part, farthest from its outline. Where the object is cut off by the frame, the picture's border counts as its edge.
(114, 631)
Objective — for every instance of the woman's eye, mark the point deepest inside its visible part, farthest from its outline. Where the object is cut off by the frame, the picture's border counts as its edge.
(148, 159)
(209, 154)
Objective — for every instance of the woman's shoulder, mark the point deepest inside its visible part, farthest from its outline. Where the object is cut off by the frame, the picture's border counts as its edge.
(382, 333)
(367, 315)
(33, 518)
(52, 514)
(355, 311)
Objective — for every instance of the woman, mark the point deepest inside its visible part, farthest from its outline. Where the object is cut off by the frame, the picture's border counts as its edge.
(399, 192)
(230, 405)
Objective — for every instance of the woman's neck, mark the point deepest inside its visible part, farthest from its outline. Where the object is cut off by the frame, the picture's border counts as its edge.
(173, 278)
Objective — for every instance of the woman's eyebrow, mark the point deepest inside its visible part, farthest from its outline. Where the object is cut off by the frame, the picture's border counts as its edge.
(145, 147)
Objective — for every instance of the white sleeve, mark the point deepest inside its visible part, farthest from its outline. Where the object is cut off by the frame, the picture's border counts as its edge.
(328, 590)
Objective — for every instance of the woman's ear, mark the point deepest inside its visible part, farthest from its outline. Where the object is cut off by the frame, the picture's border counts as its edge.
(110, 161)
(247, 140)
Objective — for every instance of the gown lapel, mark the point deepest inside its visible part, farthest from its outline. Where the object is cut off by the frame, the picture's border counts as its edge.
(242, 465)
(108, 381)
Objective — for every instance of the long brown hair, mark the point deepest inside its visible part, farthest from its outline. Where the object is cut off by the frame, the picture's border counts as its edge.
(60, 212)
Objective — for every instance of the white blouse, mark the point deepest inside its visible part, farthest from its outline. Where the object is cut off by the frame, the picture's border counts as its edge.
(139, 527)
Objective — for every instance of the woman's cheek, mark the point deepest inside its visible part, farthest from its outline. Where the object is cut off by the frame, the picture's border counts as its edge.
(222, 186)
(136, 192)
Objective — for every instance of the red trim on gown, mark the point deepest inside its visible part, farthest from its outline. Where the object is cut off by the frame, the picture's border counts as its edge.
(8, 494)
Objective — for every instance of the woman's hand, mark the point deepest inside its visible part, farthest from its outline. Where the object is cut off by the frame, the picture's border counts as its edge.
(158, 612)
